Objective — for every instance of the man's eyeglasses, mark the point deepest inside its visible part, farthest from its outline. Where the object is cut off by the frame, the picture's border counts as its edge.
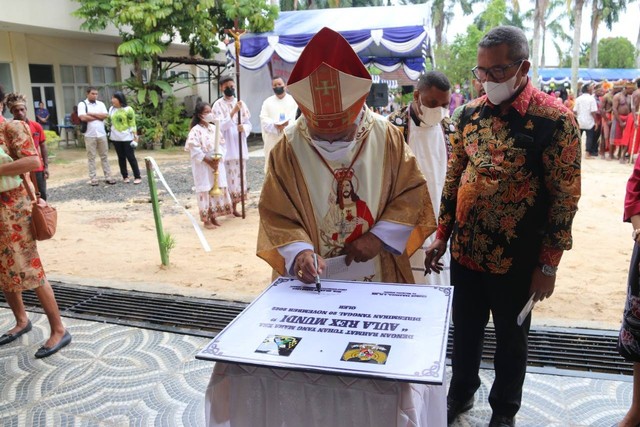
(496, 73)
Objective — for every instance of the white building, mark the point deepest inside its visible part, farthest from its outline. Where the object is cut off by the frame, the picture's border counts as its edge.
(45, 55)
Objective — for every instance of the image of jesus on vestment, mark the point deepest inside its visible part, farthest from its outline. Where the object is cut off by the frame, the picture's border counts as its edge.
(348, 216)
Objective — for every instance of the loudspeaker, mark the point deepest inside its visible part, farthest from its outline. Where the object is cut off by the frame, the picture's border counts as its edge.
(407, 89)
(378, 95)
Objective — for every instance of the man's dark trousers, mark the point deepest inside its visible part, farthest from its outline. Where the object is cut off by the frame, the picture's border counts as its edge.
(592, 142)
(475, 295)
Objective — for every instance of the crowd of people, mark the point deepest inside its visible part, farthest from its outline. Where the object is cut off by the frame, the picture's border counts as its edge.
(608, 115)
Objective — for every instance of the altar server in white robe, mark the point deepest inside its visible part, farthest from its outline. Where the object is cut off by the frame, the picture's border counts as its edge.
(226, 109)
(426, 125)
(278, 111)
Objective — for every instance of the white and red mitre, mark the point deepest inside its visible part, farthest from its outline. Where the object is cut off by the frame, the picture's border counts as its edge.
(329, 82)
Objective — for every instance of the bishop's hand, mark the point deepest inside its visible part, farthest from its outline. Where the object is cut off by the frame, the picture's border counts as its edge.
(304, 266)
(363, 248)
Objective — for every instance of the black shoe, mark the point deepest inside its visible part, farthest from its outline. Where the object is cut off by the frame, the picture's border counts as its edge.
(46, 352)
(7, 338)
(455, 408)
(502, 421)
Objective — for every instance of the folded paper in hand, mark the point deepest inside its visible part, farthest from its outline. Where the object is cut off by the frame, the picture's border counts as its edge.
(526, 310)
(337, 269)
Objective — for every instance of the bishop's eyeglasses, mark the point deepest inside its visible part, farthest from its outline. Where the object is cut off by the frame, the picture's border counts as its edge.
(496, 73)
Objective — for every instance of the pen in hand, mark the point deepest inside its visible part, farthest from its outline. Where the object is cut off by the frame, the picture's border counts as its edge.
(315, 264)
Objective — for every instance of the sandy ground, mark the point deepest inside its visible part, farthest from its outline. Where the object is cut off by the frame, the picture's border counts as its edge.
(114, 245)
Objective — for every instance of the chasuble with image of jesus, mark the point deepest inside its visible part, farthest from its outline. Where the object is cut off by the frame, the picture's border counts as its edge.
(311, 196)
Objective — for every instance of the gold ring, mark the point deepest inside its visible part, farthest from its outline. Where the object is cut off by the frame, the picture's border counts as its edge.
(300, 274)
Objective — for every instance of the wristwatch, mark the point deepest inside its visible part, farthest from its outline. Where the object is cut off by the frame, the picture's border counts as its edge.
(548, 270)
(635, 234)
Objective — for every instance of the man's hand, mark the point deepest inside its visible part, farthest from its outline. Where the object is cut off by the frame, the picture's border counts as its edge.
(240, 129)
(363, 248)
(304, 268)
(281, 127)
(541, 285)
(46, 173)
(432, 257)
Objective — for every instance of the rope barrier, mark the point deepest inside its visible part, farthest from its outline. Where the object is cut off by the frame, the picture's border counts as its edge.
(194, 222)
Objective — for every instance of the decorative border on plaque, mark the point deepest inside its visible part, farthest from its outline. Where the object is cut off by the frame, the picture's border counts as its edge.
(213, 350)
(433, 371)
(446, 290)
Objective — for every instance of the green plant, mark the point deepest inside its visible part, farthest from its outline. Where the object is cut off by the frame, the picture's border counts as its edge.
(165, 125)
(168, 243)
(52, 140)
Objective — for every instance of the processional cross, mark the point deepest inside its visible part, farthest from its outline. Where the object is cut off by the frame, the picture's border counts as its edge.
(236, 33)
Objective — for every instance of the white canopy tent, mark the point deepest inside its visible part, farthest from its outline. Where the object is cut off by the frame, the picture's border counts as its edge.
(388, 37)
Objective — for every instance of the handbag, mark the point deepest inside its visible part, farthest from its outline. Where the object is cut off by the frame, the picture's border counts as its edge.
(44, 218)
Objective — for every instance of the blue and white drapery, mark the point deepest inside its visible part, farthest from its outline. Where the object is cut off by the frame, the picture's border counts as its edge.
(387, 37)
(585, 75)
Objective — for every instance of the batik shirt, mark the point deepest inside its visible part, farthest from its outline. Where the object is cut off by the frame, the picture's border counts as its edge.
(513, 183)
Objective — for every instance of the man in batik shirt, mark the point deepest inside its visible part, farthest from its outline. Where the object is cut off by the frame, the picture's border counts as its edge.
(510, 195)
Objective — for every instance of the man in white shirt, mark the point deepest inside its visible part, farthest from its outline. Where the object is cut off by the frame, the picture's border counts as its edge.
(277, 112)
(94, 112)
(586, 109)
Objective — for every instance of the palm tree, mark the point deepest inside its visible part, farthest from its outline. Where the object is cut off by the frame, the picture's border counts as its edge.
(578, 5)
(607, 11)
(442, 13)
(551, 22)
(538, 23)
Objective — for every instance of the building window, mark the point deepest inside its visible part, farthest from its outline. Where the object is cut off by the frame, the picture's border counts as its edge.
(74, 85)
(6, 81)
(40, 73)
(103, 79)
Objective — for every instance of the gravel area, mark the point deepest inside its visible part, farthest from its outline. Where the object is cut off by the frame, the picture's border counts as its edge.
(177, 174)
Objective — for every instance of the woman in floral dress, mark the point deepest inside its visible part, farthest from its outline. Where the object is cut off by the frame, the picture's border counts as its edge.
(20, 266)
(201, 145)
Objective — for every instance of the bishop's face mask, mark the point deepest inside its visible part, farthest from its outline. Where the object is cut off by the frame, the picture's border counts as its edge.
(431, 116)
(278, 90)
(229, 91)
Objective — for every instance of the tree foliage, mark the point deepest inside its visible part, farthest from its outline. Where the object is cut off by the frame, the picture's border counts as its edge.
(583, 61)
(147, 28)
(457, 59)
(616, 52)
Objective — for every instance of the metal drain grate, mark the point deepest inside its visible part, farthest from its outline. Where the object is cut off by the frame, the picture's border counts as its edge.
(585, 350)
(172, 313)
(550, 349)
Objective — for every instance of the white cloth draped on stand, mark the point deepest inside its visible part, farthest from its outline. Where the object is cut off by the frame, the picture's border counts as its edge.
(243, 395)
